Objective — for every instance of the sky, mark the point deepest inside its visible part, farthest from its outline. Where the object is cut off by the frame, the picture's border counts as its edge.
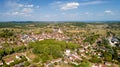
(59, 10)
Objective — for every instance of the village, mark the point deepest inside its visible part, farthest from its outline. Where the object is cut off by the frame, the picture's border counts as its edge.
(89, 53)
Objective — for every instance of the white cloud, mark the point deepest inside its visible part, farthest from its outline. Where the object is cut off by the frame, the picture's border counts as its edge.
(16, 13)
(109, 12)
(24, 5)
(27, 10)
(15, 4)
(72, 5)
(29, 5)
(13, 13)
(23, 12)
(20, 5)
(19, 9)
(92, 3)
(56, 3)
(87, 13)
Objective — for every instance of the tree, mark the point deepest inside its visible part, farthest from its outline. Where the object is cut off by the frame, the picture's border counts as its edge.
(27, 63)
(115, 54)
(85, 64)
(95, 59)
(91, 39)
(1, 53)
(107, 56)
(23, 58)
(6, 33)
(36, 59)
(20, 48)
(8, 50)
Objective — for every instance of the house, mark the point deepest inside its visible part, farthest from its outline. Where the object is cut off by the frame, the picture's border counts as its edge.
(67, 52)
(8, 61)
(113, 41)
(75, 63)
(17, 57)
(76, 57)
(99, 65)
(83, 55)
(86, 45)
(0, 47)
(108, 63)
(95, 65)
(81, 50)
(99, 54)
(1, 63)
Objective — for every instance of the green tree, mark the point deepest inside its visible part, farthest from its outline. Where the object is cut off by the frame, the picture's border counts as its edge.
(1, 53)
(107, 56)
(36, 59)
(6, 33)
(8, 50)
(27, 63)
(95, 59)
(85, 64)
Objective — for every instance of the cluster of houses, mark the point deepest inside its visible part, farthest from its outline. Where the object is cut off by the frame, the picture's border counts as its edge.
(71, 57)
(11, 41)
(11, 58)
(26, 38)
(33, 37)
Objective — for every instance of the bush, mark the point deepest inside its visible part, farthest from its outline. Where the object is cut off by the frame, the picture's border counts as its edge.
(27, 63)
(85, 64)
(23, 58)
(107, 56)
(95, 60)
(21, 48)
(36, 59)
(1, 53)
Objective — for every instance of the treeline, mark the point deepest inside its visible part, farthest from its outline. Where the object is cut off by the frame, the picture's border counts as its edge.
(79, 24)
(11, 24)
(21, 24)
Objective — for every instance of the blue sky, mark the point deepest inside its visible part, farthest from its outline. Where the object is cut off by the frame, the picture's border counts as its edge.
(59, 10)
